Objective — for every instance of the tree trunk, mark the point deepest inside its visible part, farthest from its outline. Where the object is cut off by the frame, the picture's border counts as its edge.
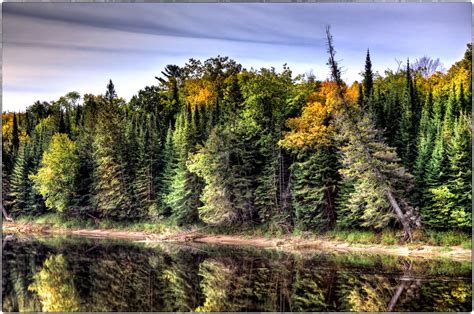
(400, 215)
(5, 214)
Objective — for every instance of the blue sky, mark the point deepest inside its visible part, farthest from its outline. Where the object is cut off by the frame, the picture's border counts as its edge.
(50, 49)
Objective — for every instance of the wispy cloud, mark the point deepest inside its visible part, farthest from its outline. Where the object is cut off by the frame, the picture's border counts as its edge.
(53, 48)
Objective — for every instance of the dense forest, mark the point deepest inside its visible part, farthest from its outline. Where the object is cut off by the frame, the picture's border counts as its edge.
(217, 144)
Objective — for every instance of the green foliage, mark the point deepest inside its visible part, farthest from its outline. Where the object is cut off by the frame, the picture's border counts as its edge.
(228, 147)
(56, 178)
(17, 199)
(111, 184)
(314, 187)
(55, 286)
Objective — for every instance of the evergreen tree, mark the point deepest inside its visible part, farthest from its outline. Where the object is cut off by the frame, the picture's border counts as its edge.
(314, 189)
(407, 123)
(183, 198)
(18, 194)
(368, 83)
(15, 135)
(452, 196)
(110, 94)
(425, 143)
(460, 184)
(166, 178)
(112, 185)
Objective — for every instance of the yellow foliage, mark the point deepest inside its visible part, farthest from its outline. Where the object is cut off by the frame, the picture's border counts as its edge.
(310, 128)
(314, 126)
(55, 286)
(199, 93)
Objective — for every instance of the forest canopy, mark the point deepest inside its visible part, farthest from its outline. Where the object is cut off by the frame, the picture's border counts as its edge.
(217, 144)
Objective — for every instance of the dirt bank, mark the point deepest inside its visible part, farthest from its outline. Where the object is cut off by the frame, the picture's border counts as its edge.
(291, 244)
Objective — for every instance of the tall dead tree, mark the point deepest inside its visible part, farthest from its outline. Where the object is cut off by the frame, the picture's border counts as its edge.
(350, 122)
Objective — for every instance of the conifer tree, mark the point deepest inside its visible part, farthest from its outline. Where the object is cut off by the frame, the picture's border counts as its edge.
(112, 185)
(110, 94)
(425, 143)
(368, 83)
(407, 123)
(18, 194)
(183, 197)
(166, 177)
(459, 183)
(15, 135)
(314, 188)
(374, 165)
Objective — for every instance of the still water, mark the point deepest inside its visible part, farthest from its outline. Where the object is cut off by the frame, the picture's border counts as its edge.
(77, 274)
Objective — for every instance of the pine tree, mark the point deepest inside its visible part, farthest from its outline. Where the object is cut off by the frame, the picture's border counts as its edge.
(314, 189)
(436, 172)
(166, 178)
(112, 185)
(18, 194)
(425, 143)
(183, 198)
(15, 135)
(381, 182)
(460, 184)
(368, 83)
(62, 125)
(110, 94)
(407, 123)
(452, 195)
(145, 182)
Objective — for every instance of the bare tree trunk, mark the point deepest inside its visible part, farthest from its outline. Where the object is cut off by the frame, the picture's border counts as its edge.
(5, 214)
(396, 296)
(400, 215)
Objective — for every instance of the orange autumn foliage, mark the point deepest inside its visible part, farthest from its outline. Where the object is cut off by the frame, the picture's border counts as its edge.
(199, 93)
(314, 126)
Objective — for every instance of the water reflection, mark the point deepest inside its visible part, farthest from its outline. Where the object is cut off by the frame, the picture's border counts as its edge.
(53, 274)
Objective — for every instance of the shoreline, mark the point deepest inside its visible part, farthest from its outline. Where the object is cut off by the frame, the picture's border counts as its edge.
(291, 244)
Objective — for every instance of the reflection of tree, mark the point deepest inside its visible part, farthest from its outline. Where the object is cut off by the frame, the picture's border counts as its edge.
(215, 286)
(19, 265)
(125, 278)
(180, 282)
(446, 296)
(54, 286)
(110, 276)
(312, 288)
(364, 293)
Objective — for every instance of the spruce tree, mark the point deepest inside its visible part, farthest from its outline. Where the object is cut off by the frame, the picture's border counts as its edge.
(15, 135)
(111, 183)
(407, 123)
(110, 94)
(425, 143)
(381, 182)
(314, 181)
(166, 178)
(19, 186)
(460, 176)
(183, 197)
(368, 83)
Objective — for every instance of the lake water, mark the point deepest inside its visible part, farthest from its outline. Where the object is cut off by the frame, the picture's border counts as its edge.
(77, 274)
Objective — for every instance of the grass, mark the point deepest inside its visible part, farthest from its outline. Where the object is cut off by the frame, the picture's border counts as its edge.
(391, 237)
(388, 237)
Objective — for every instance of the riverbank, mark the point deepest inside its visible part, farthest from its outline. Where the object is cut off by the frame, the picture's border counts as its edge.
(288, 243)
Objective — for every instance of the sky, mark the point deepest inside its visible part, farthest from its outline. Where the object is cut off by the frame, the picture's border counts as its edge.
(50, 49)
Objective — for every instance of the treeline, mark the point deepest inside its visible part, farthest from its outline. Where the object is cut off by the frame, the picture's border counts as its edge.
(218, 144)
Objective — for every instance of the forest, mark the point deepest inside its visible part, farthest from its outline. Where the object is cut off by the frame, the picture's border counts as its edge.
(215, 144)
